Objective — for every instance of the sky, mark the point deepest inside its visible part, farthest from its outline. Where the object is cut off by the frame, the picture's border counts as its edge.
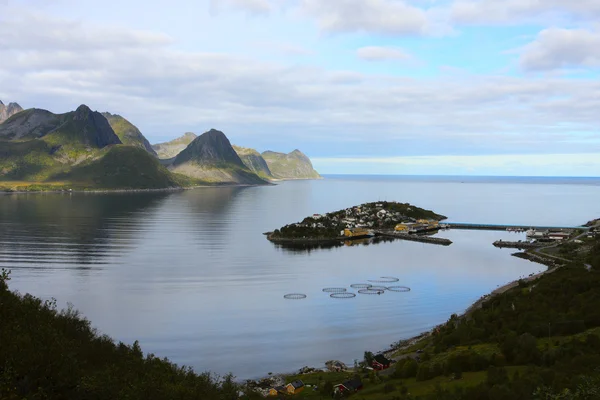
(443, 87)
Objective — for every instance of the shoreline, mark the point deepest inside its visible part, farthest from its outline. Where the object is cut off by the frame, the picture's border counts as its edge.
(108, 191)
(413, 340)
(272, 182)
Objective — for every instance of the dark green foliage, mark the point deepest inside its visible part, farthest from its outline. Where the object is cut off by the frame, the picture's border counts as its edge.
(562, 303)
(51, 354)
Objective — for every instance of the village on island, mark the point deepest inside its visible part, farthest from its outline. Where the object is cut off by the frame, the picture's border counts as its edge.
(394, 220)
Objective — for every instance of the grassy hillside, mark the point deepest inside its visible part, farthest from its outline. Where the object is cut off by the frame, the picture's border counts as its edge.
(129, 134)
(294, 165)
(254, 161)
(122, 167)
(52, 354)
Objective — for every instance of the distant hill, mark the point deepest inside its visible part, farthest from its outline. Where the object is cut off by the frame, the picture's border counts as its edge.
(294, 165)
(211, 158)
(171, 149)
(8, 111)
(254, 161)
(128, 133)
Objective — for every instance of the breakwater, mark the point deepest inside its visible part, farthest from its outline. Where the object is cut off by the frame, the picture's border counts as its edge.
(414, 238)
(523, 228)
(518, 245)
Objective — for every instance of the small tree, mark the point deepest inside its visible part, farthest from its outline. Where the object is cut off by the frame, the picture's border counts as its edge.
(4, 278)
(369, 358)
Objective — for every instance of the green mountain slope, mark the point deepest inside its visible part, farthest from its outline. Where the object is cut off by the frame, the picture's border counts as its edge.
(122, 167)
(128, 133)
(254, 161)
(211, 158)
(294, 165)
(171, 149)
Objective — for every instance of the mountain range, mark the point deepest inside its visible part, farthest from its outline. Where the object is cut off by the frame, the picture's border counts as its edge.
(85, 149)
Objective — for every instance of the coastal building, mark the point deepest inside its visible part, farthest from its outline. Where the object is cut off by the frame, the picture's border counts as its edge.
(295, 387)
(402, 227)
(277, 391)
(349, 386)
(357, 232)
(380, 362)
(558, 235)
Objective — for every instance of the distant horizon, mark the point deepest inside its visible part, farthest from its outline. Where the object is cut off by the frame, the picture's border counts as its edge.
(466, 176)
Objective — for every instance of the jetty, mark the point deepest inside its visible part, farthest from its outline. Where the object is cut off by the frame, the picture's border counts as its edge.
(514, 228)
(413, 237)
(519, 245)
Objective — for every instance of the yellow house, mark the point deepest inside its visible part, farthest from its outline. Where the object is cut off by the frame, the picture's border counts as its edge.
(277, 390)
(401, 228)
(295, 387)
(355, 232)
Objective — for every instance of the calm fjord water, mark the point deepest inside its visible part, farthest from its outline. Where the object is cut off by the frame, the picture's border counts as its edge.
(190, 275)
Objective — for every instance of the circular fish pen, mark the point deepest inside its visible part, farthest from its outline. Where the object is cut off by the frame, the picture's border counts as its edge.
(385, 279)
(371, 291)
(361, 285)
(342, 295)
(379, 288)
(334, 290)
(398, 288)
(294, 296)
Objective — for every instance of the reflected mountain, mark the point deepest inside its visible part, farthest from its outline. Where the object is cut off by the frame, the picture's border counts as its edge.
(70, 230)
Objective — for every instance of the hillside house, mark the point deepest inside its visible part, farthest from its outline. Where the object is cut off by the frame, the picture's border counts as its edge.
(380, 362)
(349, 386)
(294, 387)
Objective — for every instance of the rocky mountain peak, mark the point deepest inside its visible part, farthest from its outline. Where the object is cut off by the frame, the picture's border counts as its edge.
(83, 112)
(212, 147)
(8, 111)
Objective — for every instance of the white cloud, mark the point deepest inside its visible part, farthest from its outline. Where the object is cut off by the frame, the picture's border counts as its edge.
(381, 53)
(251, 6)
(518, 11)
(557, 48)
(375, 16)
(167, 91)
(54, 33)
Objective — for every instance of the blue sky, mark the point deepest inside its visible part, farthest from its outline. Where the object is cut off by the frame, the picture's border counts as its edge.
(479, 87)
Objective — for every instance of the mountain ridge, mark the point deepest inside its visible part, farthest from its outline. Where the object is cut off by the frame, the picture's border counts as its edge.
(128, 133)
(167, 150)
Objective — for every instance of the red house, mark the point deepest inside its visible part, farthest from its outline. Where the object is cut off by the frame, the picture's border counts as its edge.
(380, 362)
(349, 386)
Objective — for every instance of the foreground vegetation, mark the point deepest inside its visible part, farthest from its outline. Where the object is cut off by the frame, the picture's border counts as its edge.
(51, 354)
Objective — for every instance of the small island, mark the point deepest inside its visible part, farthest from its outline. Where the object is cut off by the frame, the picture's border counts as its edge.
(383, 218)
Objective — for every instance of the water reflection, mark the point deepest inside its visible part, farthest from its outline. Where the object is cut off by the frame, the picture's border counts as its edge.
(40, 231)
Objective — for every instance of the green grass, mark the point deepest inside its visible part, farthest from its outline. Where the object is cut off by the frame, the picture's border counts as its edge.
(122, 167)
